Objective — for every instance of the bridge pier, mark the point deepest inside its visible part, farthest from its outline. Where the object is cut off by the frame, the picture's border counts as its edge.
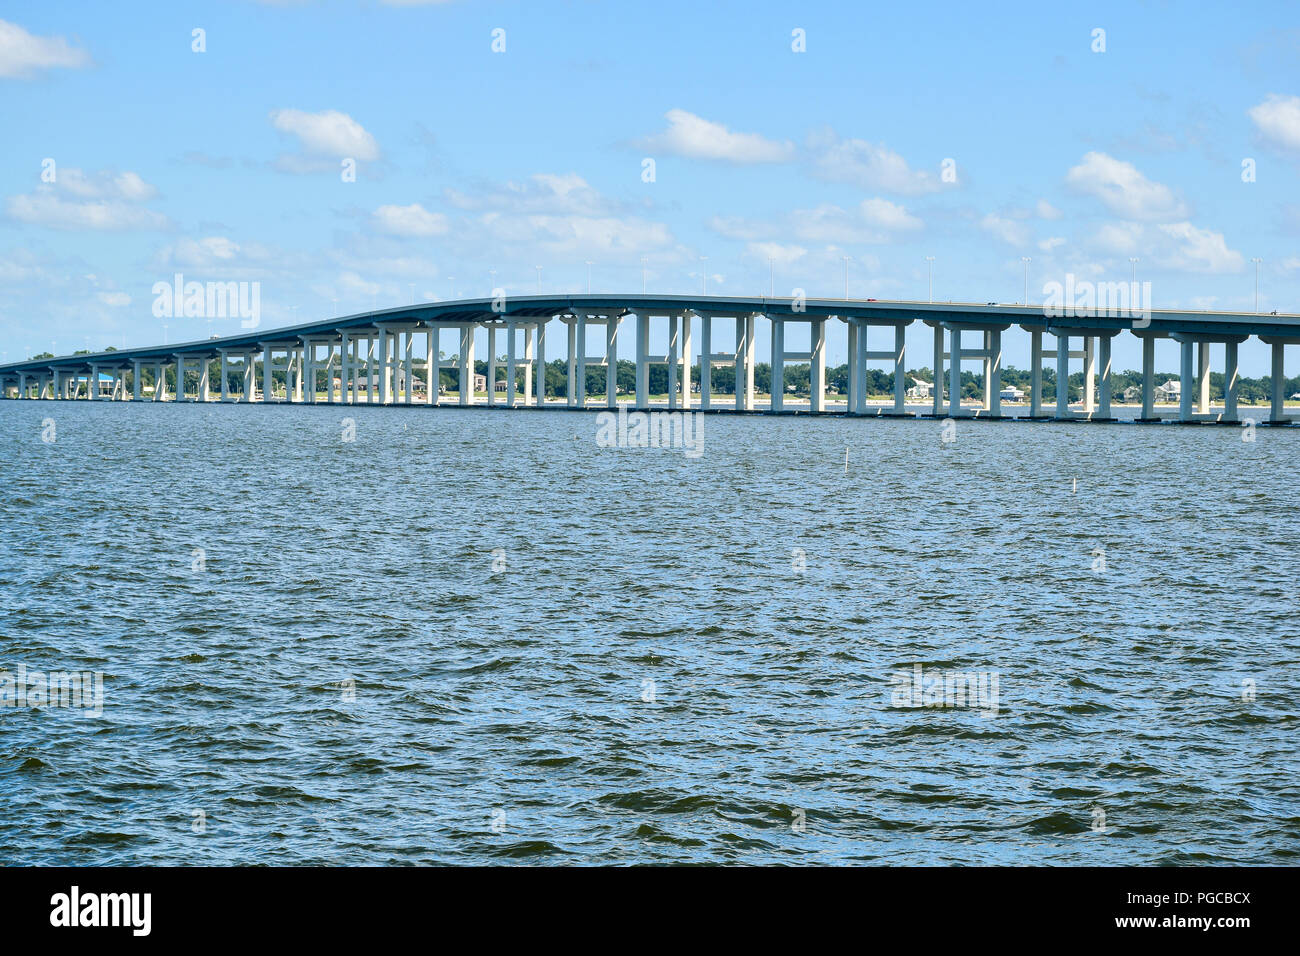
(466, 386)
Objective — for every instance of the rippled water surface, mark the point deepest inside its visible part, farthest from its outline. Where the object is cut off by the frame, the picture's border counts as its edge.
(564, 653)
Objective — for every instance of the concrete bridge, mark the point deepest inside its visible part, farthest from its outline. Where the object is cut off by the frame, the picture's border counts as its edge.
(383, 347)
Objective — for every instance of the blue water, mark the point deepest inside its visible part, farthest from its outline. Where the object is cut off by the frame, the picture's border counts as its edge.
(563, 653)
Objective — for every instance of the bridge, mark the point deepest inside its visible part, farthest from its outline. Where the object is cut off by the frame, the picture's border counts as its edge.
(381, 348)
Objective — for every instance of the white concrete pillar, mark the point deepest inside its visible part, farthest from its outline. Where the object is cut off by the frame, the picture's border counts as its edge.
(204, 383)
(863, 346)
(539, 362)
(954, 371)
(1230, 382)
(745, 363)
(1103, 359)
(571, 390)
(1062, 376)
(1089, 374)
(385, 366)
(778, 363)
(1148, 377)
(492, 364)
(432, 366)
(250, 377)
(1203, 377)
(612, 323)
(1279, 382)
(993, 383)
(900, 369)
(853, 366)
(1186, 383)
(643, 360)
(467, 364)
(1035, 373)
(672, 361)
(268, 385)
(92, 393)
(510, 365)
(530, 364)
(225, 371)
(817, 369)
(706, 361)
(685, 379)
(936, 393)
(986, 373)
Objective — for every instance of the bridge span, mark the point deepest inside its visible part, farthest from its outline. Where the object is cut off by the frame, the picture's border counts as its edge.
(376, 357)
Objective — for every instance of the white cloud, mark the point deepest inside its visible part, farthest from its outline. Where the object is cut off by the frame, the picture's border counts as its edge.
(888, 215)
(1199, 250)
(104, 185)
(695, 137)
(873, 221)
(413, 220)
(1119, 238)
(328, 133)
(1123, 189)
(115, 299)
(1051, 243)
(46, 208)
(783, 253)
(1278, 120)
(22, 54)
(542, 192)
(1045, 210)
(868, 165)
(1010, 231)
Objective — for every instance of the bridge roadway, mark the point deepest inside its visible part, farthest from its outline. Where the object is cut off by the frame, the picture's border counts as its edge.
(373, 355)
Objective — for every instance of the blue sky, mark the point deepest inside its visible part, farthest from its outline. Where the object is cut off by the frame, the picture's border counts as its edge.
(226, 164)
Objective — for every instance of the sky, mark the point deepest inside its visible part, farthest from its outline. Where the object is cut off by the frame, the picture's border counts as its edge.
(738, 145)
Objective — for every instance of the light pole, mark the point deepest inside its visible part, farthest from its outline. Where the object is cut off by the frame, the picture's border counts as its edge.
(846, 277)
(1026, 260)
(930, 262)
(1257, 261)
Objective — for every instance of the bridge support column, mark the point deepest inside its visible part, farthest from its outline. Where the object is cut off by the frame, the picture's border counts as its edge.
(492, 365)
(860, 357)
(1148, 379)
(267, 381)
(530, 362)
(467, 363)
(1062, 376)
(1203, 377)
(954, 372)
(1185, 384)
(778, 364)
(817, 367)
(539, 362)
(745, 363)
(571, 387)
(433, 365)
(854, 366)
(385, 366)
(900, 369)
(993, 380)
(706, 361)
(612, 322)
(510, 365)
(92, 389)
(1089, 375)
(1230, 377)
(672, 361)
(225, 373)
(1278, 376)
(204, 379)
(686, 361)
(643, 360)
(309, 372)
(1103, 358)
(936, 393)
(1035, 373)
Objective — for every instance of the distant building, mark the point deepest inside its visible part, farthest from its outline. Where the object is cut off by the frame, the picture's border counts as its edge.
(1011, 394)
(1170, 391)
(920, 390)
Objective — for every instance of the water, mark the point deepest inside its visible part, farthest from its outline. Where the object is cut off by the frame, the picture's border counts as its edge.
(682, 660)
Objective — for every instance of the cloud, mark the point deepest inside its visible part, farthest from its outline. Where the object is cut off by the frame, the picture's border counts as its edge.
(873, 221)
(1051, 243)
(1045, 210)
(1123, 189)
(783, 254)
(221, 256)
(1277, 120)
(1199, 250)
(868, 165)
(412, 220)
(22, 55)
(697, 138)
(1010, 231)
(328, 133)
(102, 201)
(115, 299)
